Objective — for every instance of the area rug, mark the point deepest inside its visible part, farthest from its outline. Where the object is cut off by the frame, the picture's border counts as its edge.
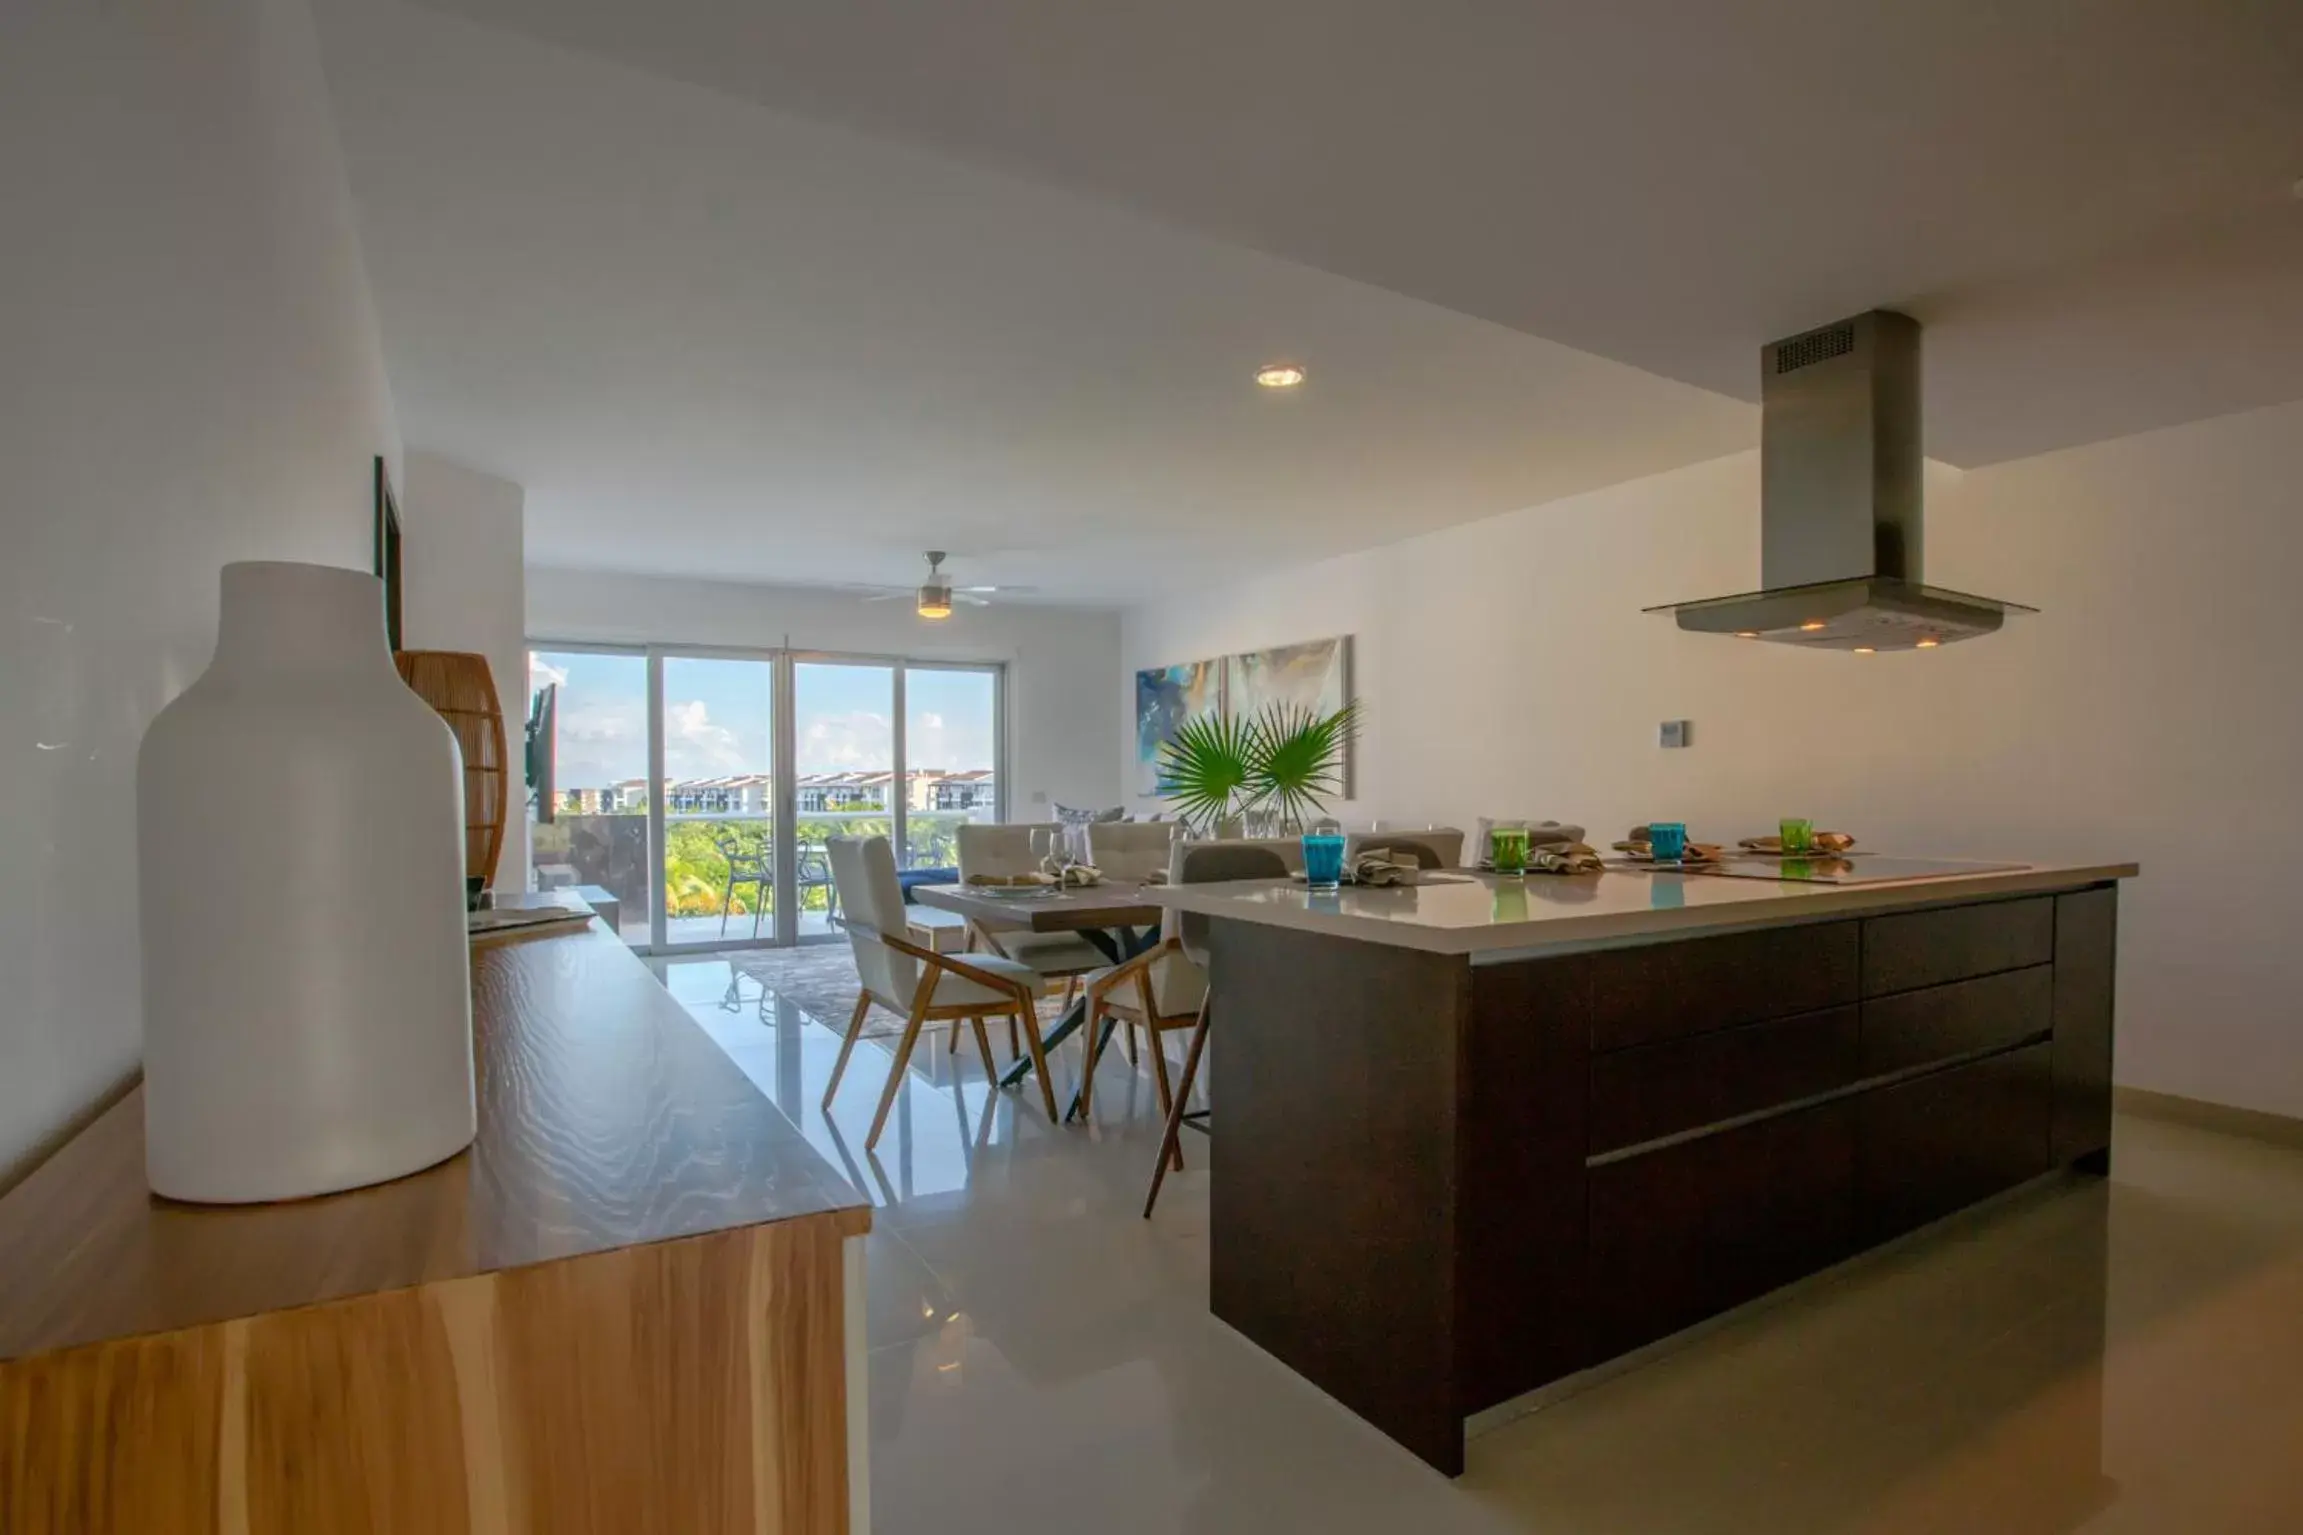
(820, 980)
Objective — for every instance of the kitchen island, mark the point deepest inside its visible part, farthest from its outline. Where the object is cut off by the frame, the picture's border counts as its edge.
(1482, 1134)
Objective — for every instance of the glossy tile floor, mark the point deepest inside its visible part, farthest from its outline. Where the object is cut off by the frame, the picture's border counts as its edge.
(2080, 1357)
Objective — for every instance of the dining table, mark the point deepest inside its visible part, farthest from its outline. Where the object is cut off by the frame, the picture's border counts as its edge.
(1118, 917)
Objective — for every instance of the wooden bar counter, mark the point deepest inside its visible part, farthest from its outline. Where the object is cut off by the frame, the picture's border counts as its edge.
(630, 1306)
(1479, 1135)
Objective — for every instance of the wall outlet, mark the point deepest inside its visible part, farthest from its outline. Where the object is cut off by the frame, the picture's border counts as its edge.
(1671, 734)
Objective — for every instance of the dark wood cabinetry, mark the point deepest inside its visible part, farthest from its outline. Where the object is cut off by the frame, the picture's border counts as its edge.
(1943, 1023)
(1450, 1182)
(1684, 1084)
(1928, 1147)
(2086, 940)
(1686, 1232)
(1951, 943)
(1669, 991)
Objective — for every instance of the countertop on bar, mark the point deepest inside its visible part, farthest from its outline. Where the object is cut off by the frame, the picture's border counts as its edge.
(1460, 911)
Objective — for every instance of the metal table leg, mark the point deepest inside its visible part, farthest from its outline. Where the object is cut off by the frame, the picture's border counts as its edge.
(1117, 944)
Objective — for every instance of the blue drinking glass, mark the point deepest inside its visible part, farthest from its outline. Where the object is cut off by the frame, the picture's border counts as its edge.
(1323, 856)
(1667, 840)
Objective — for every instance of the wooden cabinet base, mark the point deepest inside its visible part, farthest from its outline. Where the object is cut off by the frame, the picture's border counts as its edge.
(1446, 1183)
(687, 1386)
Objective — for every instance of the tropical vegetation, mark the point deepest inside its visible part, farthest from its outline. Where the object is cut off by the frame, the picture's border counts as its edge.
(1277, 767)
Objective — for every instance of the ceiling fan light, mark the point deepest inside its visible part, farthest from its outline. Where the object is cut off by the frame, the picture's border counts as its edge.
(935, 602)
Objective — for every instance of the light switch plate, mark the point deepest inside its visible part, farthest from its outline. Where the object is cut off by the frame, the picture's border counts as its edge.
(1671, 734)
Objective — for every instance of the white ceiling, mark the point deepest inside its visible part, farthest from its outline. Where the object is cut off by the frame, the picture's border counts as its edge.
(711, 331)
(712, 339)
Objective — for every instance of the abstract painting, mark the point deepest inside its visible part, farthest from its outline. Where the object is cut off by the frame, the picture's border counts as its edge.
(1314, 676)
(1166, 698)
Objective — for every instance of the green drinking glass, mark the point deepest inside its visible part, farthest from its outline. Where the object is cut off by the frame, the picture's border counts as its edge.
(1797, 834)
(1507, 848)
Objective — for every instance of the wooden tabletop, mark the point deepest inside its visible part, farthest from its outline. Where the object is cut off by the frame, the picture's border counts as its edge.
(1114, 903)
(607, 1119)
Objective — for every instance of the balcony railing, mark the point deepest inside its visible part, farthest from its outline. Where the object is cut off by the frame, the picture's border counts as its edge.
(612, 851)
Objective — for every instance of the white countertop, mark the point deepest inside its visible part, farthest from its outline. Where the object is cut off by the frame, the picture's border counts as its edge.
(1472, 913)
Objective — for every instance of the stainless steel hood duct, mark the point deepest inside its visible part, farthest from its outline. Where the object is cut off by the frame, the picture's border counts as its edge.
(1841, 502)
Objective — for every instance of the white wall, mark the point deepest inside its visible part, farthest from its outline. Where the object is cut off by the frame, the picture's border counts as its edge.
(2149, 712)
(190, 375)
(1063, 720)
(465, 588)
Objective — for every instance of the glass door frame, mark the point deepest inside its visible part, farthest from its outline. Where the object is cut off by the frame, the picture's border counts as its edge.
(784, 756)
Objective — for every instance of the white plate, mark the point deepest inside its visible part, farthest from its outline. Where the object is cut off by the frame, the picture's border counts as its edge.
(1014, 892)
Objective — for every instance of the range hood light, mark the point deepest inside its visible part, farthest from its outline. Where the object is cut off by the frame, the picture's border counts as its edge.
(1929, 643)
(1865, 650)
(1812, 625)
(1747, 634)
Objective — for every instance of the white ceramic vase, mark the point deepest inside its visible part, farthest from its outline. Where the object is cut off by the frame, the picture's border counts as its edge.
(300, 851)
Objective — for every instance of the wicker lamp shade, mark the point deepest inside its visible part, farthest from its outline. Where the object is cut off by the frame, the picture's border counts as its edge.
(458, 687)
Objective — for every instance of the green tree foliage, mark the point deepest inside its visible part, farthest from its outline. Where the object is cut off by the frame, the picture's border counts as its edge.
(696, 872)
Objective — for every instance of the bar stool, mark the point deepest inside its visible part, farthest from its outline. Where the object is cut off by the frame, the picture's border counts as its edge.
(1201, 863)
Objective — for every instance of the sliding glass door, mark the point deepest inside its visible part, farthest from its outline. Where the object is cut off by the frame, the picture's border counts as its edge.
(951, 735)
(845, 782)
(719, 799)
(699, 787)
(596, 833)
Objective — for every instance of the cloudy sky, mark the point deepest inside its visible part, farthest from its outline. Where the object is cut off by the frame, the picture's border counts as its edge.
(716, 717)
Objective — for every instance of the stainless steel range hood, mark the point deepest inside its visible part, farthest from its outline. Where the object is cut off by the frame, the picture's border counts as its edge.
(1841, 501)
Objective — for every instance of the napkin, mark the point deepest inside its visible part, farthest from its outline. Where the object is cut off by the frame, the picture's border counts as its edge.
(1825, 842)
(1564, 858)
(1378, 869)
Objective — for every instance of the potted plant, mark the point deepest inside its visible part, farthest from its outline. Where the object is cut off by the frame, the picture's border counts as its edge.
(1296, 759)
(1204, 773)
(1279, 765)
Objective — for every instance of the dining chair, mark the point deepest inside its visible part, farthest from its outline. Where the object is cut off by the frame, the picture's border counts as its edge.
(1135, 851)
(1198, 863)
(919, 984)
(1007, 850)
(1158, 989)
(1438, 847)
(746, 866)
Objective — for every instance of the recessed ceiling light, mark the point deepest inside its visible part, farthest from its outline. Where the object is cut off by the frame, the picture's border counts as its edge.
(1865, 650)
(1747, 634)
(1812, 625)
(1279, 375)
(1929, 643)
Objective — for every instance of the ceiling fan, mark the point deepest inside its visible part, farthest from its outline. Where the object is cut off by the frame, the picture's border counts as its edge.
(933, 598)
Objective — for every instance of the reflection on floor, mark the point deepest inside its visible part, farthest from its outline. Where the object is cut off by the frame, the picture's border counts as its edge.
(2087, 1357)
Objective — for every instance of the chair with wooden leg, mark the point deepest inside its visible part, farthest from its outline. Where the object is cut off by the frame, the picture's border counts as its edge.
(1002, 852)
(920, 984)
(1196, 863)
(1158, 990)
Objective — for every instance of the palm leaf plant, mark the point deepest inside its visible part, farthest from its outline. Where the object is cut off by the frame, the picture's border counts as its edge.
(1205, 771)
(1296, 759)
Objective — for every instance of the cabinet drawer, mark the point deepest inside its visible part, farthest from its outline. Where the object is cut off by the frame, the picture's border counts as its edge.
(1929, 1147)
(1686, 1232)
(1928, 948)
(1671, 990)
(1912, 1028)
(1685, 1084)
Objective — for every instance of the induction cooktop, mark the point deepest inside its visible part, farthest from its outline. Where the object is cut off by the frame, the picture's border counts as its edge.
(1864, 869)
